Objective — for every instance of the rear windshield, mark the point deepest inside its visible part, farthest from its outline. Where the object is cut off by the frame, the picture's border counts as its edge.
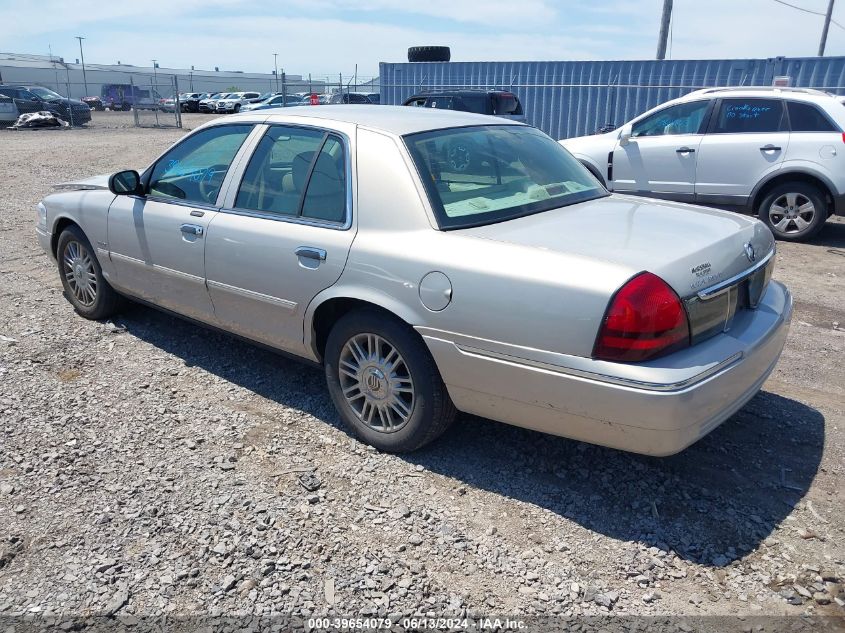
(485, 174)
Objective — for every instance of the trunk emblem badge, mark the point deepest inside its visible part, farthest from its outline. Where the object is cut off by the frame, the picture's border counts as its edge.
(701, 270)
(749, 252)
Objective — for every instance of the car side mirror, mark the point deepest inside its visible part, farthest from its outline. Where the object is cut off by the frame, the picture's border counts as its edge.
(125, 183)
(36, 99)
(625, 135)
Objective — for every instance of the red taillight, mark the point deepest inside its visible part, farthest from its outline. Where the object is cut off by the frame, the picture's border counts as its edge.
(843, 137)
(645, 319)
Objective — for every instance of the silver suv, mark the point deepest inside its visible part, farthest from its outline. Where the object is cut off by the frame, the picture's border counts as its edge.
(236, 100)
(772, 151)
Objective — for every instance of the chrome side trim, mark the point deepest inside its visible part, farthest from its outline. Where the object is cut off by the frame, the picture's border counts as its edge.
(159, 269)
(597, 377)
(722, 286)
(251, 294)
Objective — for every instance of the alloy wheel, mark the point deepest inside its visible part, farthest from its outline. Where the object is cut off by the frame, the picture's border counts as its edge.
(376, 382)
(78, 268)
(792, 213)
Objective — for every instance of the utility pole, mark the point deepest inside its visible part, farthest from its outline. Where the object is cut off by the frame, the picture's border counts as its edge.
(82, 57)
(827, 18)
(664, 29)
(276, 67)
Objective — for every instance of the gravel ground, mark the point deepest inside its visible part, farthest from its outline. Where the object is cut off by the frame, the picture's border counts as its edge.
(149, 467)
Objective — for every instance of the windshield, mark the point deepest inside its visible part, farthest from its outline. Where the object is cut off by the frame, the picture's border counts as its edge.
(485, 174)
(45, 94)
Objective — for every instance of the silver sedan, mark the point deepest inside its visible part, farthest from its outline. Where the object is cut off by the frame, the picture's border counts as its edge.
(433, 262)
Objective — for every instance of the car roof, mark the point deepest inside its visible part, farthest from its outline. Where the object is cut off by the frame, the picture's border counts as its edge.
(460, 91)
(759, 92)
(399, 120)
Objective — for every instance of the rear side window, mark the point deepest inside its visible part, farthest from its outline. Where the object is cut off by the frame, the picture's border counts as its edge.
(474, 103)
(742, 116)
(325, 197)
(296, 172)
(444, 103)
(805, 117)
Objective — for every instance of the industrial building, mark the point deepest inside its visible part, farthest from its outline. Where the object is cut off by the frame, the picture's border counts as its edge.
(68, 78)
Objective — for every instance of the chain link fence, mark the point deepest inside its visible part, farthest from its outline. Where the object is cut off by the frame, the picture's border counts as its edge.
(156, 103)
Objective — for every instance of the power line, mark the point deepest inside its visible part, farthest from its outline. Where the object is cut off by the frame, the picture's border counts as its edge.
(805, 10)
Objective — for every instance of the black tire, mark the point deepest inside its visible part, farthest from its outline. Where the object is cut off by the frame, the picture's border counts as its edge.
(429, 54)
(802, 226)
(431, 409)
(237, 107)
(106, 301)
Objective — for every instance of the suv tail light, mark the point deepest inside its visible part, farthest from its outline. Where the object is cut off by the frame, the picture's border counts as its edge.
(645, 319)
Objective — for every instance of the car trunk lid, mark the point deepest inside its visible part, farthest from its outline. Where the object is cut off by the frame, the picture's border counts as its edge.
(689, 247)
(717, 262)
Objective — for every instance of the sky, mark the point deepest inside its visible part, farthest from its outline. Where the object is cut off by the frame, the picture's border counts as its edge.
(327, 37)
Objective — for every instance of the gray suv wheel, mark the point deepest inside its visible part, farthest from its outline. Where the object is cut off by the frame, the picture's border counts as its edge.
(794, 211)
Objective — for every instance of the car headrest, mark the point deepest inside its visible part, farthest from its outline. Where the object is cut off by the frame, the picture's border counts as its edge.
(299, 169)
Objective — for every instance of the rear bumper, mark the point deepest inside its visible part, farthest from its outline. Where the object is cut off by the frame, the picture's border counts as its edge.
(652, 419)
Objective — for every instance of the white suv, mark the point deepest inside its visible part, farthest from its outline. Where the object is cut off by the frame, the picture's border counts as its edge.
(773, 151)
(236, 100)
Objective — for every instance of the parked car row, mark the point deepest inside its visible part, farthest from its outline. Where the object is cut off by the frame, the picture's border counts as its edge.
(230, 102)
(16, 100)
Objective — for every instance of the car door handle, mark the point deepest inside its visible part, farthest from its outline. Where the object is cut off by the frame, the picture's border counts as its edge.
(684, 150)
(192, 229)
(309, 252)
(770, 148)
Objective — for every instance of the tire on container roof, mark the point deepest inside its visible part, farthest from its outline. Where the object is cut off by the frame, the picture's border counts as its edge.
(429, 54)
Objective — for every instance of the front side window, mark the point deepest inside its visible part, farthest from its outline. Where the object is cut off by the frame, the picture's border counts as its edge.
(684, 118)
(805, 117)
(194, 170)
(485, 174)
(742, 116)
(296, 172)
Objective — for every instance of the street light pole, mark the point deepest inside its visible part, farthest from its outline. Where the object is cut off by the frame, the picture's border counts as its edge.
(155, 75)
(276, 67)
(82, 57)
